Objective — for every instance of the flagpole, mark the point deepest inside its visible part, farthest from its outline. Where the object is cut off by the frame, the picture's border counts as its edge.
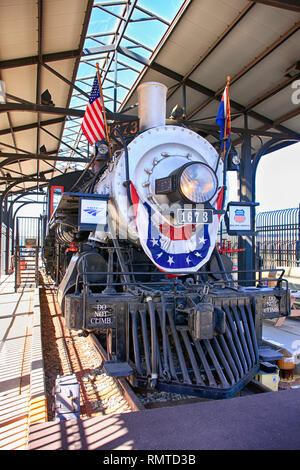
(104, 114)
(226, 104)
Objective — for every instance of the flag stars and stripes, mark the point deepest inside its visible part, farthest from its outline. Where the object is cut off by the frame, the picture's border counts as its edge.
(167, 254)
(154, 241)
(93, 122)
(202, 239)
(171, 260)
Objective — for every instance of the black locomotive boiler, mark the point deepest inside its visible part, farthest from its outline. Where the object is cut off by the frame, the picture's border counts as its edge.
(131, 244)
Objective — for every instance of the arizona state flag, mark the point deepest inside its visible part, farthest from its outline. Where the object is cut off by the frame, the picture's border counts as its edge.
(223, 117)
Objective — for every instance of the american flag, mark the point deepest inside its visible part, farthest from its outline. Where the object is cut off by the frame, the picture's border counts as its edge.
(93, 122)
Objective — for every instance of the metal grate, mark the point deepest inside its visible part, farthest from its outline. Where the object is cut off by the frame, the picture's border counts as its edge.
(216, 367)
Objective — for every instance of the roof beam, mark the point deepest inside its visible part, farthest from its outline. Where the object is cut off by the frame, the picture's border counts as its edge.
(55, 110)
(41, 108)
(292, 5)
(44, 185)
(279, 120)
(18, 99)
(288, 116)
(152, 64)
(99, 49)
(62, 142)
(279, 87)
(33, 60)
(216, 43)
(208, 92)
(32, 125)
(32, 176)
(152, 15)
(271, 48)
(39, 156)
(64, 79)
(237, 130)
(16, 148)
(13, 158)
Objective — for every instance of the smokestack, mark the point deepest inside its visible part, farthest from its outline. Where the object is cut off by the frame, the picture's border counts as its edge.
(152, 98)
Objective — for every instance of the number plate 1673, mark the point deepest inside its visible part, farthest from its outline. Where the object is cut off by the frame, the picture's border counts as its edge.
(195, 216)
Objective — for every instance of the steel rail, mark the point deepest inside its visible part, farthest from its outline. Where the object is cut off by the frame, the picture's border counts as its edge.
(133, 401)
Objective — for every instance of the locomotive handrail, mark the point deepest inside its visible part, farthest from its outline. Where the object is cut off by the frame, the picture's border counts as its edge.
(186, 273)
(175, 280)
(127, 182)
(148, 284)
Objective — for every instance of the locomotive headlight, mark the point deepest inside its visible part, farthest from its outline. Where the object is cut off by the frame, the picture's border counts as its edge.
(102, 149)
(194, 183)
(197, 182)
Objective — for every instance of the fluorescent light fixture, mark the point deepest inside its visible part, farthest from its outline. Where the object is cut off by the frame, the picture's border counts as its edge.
(293, 70)
(2, 92)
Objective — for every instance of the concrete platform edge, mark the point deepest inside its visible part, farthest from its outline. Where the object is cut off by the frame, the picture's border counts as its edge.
(38, 401)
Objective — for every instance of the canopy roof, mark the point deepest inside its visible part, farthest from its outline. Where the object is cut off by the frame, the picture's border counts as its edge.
(191, 46)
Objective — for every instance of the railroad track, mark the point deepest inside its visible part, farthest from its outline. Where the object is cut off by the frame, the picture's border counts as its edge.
(126, 390)
(67, 352)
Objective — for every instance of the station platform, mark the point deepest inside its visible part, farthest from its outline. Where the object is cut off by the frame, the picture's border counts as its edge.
(22, 393)
(263, 421)
(267, 421)
(286, 335)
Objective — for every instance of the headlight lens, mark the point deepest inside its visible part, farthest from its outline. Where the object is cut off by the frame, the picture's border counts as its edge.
(198, 183)
(102, 149)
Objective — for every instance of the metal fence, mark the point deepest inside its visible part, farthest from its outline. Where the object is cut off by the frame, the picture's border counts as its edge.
(278, 238)
(28, 231)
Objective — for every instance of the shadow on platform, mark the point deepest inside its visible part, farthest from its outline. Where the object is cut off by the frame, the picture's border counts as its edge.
(264, 421)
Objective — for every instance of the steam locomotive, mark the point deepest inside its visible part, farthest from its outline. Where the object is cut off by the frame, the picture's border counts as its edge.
(131, 244)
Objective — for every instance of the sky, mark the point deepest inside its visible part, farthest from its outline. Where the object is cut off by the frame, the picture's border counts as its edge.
(278, 179)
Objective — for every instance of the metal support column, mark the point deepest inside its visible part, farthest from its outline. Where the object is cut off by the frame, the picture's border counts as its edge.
(298, 241)
(184, 98)
(246, 257)
(116, 83)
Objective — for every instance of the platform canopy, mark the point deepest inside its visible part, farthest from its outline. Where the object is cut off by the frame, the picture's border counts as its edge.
(40, 40)
(48, 55)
